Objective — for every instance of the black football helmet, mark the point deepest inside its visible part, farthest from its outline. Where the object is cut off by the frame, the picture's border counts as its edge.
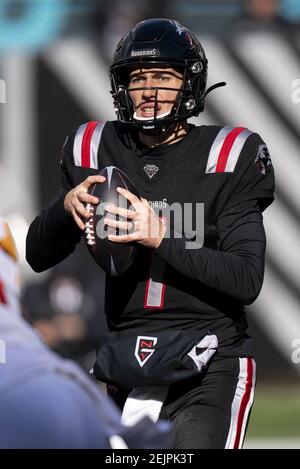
(160, 43)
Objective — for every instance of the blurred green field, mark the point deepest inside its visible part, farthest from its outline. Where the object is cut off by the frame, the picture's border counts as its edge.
(276, 413)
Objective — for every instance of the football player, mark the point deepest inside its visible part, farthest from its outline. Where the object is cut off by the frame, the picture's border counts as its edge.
(185, 279)
(47, 401)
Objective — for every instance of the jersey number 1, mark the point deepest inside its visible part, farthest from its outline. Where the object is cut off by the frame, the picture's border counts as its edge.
(155, 288)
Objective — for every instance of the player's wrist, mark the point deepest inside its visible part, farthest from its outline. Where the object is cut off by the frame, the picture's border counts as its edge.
(67, 207)
(158, 241)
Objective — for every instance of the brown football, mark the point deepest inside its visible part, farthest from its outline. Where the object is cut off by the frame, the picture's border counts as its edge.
(114, 258)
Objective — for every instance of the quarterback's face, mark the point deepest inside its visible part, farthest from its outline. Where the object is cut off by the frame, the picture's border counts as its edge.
(146, 85)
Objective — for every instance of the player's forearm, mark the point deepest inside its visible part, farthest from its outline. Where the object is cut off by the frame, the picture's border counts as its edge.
(52, 236)
(237, 272)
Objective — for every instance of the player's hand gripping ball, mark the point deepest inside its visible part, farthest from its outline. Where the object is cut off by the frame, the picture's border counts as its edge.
(114, 258)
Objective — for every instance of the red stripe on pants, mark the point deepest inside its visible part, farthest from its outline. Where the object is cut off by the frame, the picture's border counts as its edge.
(244, 402)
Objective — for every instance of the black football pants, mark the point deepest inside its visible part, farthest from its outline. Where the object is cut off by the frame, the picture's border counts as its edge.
(211, 410)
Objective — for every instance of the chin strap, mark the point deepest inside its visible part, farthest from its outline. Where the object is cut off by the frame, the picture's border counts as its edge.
(147, 118)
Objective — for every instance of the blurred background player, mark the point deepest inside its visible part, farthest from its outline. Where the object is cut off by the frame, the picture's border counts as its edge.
(45, 401)
(65, 311)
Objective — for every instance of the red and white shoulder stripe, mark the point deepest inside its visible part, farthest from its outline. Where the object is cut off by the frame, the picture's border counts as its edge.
(242, 403)
(86, 144)
(226, 149)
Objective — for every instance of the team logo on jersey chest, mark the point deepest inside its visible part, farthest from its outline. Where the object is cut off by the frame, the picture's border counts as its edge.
(144, 348)
(151, 170)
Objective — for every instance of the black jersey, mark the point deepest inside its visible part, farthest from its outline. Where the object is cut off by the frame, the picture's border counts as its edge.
(206, 269)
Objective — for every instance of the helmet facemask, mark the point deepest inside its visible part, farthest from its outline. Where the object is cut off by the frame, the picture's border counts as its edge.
(188, 102)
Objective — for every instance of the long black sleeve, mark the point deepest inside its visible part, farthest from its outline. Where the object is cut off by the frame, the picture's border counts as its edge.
(237, 267)
(53, 234)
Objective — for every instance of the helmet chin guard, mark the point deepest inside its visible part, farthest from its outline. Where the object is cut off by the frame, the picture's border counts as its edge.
(152, 127)
(159, 123)
(159, 43)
